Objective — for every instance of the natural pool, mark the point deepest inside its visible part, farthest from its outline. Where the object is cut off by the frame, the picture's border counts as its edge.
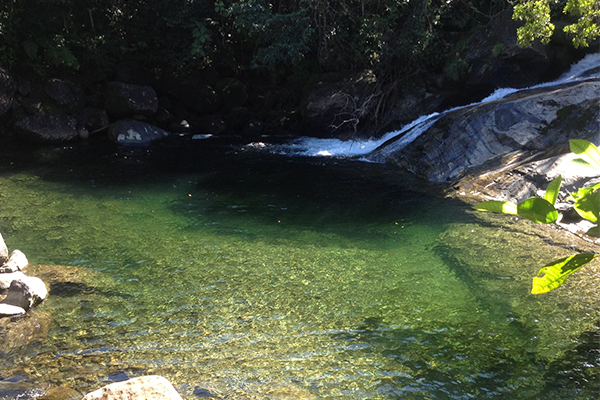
(240, 274)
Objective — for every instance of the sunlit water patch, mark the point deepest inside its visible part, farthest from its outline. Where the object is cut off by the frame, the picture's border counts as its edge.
(245, 276)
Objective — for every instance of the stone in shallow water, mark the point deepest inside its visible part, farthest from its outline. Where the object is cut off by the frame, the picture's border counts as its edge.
(151, 387)
(26, 292)
(6, 279)
(16, 262)
(8, 310)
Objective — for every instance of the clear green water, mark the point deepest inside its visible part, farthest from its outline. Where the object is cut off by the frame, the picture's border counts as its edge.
(253, 276)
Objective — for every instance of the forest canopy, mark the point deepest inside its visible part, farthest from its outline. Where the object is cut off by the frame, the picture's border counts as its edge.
(183, 36)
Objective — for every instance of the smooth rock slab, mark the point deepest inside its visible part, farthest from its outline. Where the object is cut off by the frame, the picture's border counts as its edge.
(151, 387)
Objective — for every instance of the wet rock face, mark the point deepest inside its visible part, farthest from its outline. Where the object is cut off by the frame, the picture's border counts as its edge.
(534, 123)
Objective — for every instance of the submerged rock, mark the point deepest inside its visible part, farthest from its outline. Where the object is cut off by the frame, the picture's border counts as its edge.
(151, 387)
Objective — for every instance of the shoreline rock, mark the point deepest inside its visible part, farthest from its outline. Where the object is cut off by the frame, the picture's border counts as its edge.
(21, 292)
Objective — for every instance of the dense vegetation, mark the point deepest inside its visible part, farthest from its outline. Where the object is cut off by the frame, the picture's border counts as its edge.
(183, 36)
(270, 41)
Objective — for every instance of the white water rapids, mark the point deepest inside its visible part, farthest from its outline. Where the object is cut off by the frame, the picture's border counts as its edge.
(588, 67)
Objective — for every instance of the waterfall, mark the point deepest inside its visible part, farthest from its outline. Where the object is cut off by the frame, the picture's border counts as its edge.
(586, 68)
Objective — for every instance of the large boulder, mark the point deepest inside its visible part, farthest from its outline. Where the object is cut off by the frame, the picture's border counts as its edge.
(48, 128)
(135, 133)
(151, 387)
(505, 133)
(124, 100)
(64, 94)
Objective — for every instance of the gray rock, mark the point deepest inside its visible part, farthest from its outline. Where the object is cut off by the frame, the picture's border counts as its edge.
(6, 279)
(26, 292)
(124, 100)
(135, 133)
(7, 310)
(3, 251)
(50, 128)
(151, 387)
(506, 133)
(16, 262)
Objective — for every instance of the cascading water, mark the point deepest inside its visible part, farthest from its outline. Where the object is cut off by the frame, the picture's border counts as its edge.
(588, 67)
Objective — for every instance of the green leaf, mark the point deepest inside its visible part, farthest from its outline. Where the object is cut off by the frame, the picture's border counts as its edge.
(497, 206)
(585, 191)
(552, 191)
(588, 206)
(556, 273)
(537, 210)
(594, 231)
(587, 150)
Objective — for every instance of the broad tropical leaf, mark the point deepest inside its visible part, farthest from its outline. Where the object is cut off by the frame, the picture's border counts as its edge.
(588, 206)
(497, 206)
(584, 192)
(594, 231)
(537, 210)
(552, 191)
(587, 150)
(556, 273)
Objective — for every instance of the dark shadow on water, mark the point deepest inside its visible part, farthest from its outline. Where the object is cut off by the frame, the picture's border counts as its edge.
(238, 183)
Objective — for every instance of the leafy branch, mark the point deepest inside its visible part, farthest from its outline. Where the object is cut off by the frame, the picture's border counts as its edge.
(542, 210)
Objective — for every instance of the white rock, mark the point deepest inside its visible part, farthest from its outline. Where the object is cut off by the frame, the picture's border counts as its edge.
(8, 278)
(151, 387)
(7, 310)
(26, 292)
(16, 262)
(3, 251)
